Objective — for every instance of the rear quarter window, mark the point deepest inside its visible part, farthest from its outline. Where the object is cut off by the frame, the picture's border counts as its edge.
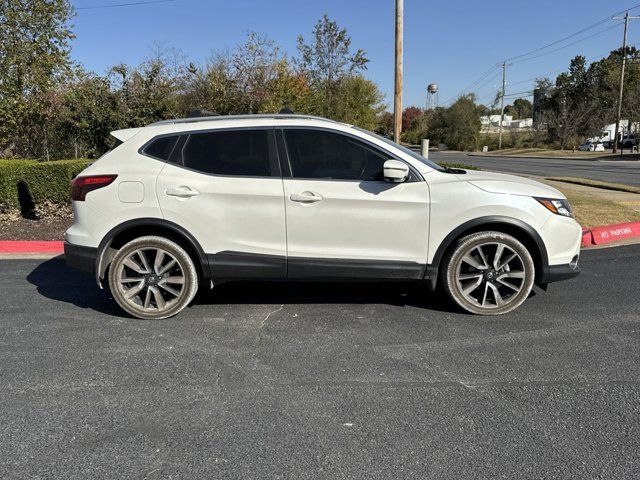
(161, 147)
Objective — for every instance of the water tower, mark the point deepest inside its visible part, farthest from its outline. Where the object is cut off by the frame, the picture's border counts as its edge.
(432, 96)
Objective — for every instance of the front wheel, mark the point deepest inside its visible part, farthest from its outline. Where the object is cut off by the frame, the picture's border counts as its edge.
(152, 278)
(488, 273)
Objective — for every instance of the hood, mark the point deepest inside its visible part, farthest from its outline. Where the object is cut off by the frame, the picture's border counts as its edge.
(509, 184)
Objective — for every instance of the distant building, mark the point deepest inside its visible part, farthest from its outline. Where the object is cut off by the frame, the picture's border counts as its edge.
(522, 123)
(494, 120)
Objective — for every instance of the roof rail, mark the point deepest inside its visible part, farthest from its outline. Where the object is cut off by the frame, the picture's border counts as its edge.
(241, 117)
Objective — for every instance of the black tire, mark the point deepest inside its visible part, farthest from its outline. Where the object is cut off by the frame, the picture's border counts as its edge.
(143, 288)
(498, 290)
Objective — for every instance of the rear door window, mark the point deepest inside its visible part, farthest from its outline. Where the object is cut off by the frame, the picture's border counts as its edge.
(229, 152)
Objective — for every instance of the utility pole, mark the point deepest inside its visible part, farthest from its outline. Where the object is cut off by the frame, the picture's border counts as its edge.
(504, 83)
(624, 61)
(397, 91)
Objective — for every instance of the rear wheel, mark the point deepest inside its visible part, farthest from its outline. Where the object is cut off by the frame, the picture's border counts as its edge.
(152, 278)
(489, 273)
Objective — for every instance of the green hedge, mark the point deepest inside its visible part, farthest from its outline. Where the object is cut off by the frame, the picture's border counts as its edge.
(25, 184)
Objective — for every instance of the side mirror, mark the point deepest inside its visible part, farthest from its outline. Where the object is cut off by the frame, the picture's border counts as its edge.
(395, 171)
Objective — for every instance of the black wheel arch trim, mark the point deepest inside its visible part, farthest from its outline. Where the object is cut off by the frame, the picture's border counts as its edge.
(149, 222)
(472, 225)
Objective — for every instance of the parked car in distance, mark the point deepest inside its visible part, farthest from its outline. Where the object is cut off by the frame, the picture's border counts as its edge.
(191, 203)
(629, 141)
(590, 146)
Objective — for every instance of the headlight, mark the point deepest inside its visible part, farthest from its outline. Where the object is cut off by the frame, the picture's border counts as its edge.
(559, 207)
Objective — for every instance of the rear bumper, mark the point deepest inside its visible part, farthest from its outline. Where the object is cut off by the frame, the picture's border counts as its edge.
(80, 257)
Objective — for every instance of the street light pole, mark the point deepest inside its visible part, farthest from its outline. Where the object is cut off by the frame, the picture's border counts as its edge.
(397, 95)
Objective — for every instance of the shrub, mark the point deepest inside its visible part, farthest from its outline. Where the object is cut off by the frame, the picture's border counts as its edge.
(27, 184)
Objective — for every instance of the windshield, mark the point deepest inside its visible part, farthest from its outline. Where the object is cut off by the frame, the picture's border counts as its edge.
(406, 150)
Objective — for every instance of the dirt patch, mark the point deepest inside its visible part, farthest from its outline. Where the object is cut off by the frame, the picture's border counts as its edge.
(18, 228)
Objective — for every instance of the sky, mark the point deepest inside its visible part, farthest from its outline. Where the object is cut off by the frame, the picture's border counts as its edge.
(451, 43)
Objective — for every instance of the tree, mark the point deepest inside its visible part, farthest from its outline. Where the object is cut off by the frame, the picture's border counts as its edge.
(89, 111)
(409, 115)
(34, 57)
(326, 62)
(570, 111)
(458, 126)
(255, 65)
(384, 123)
(523, 108)
(360, 102)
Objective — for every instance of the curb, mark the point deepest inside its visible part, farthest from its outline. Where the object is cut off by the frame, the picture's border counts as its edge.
(609, 233)
(35, 246)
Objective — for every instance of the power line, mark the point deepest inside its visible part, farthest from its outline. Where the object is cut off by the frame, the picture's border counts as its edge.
(600, 32)
(482, 77)
(129, 4)
(599, 22)
(544, 47)
(479, 79)
(600, 55)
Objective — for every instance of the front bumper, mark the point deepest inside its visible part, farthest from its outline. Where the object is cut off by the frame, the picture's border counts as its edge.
(81, 257)
(556, 273)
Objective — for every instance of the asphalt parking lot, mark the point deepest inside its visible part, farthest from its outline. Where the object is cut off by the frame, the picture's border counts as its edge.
(320, 381)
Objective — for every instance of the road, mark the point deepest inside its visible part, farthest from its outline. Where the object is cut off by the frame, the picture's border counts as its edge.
(319, 381)
(626, 172)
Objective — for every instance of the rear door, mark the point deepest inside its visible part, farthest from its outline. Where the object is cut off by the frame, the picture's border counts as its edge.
(343, 219)
(225, 187)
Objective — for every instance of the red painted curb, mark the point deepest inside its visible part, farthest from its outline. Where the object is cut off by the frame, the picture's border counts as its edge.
(587, 238)
(610, 233)
(613, 233)
(19, 246)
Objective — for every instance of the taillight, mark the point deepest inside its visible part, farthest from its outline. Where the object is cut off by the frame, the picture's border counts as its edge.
(83, 185)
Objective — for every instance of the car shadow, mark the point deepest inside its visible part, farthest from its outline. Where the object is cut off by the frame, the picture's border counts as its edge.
(399, 294)
(54, 280)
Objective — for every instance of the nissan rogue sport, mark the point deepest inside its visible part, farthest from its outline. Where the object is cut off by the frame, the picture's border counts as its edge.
(181, 204)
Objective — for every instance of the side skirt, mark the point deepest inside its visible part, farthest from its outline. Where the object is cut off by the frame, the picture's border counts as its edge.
(229, 266)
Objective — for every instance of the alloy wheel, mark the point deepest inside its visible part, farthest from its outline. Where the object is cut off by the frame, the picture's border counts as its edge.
(490, 275)
(151, 279)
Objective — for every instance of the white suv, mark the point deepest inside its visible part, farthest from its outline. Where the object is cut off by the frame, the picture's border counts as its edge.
(201, 201)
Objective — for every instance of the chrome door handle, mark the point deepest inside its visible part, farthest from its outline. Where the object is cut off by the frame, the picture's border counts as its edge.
(182, 192)
(306, 197)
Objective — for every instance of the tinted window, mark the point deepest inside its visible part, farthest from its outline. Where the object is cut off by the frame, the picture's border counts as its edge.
(236, 152)
(322, 154)
(413, 154)
(161, 147)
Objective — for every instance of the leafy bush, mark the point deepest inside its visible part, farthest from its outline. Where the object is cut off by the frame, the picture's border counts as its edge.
(27, 184)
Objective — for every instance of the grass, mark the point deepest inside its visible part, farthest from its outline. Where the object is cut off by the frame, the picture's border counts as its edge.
(551, 153)
(594, 210)
(618, 187)
(458, 165)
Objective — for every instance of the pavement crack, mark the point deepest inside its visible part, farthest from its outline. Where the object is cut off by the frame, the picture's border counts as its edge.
(264, 320)
(263, 323)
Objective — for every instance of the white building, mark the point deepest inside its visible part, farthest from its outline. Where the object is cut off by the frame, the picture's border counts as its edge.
(494, 120)
(522, 123)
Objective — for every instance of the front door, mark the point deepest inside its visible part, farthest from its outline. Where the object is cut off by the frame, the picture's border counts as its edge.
(225, 187)
(343, 219)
